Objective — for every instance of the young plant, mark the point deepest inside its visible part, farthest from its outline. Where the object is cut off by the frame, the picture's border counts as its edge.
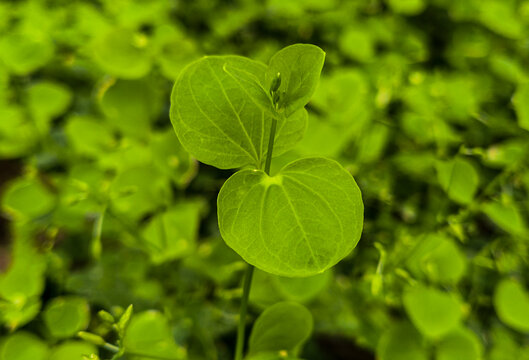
(234, 112)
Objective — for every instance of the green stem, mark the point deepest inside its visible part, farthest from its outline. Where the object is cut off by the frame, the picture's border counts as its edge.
(242, 313)
(239, 347)
(270, 146)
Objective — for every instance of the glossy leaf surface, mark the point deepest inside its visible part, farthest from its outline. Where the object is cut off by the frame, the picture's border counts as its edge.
(296, 223)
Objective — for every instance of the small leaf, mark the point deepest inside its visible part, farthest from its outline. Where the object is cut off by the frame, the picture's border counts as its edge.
(437, 257)
(24, 53)
(28, 199)
(300, 66)
(521, 105)
(283, 326)
(511, 302)
(299, 222)
(71, 350)
(149, 334)
(459, 344)
(173, 232)
(433, 312)
(106, 316)
(459, 179)
(124, 320)
(23, 346)
(401, 341)
(119, 53)
(137, 101)
(65, 316)
(507, 217)
(91, 338)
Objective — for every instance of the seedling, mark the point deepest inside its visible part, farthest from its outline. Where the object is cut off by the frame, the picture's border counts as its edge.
(232, 112)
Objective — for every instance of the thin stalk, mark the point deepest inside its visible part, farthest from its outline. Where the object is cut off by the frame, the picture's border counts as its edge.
(242, 312)
(239, 347)
(270, 146)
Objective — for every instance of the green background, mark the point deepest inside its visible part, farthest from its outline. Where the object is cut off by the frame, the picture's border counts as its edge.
(425, 102)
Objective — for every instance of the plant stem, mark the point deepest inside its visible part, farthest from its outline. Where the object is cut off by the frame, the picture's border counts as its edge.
(242, 312)
(270, 146)
(239, 347)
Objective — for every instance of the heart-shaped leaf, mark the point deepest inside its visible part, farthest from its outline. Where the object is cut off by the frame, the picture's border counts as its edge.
(299, 222)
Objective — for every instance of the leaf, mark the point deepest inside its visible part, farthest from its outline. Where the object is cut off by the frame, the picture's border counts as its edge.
(521, 105)
(27, 199)
(438, 258)
(17, 132)
(130, 105)
(401, 341)
(357, 44)
(171, 159)
(121, 52)
(407, 7)
(23, 346)
(302, 289)
(24, 53)
(271, 356)
(173, 232)
(48, 99)
(72, 350)
(283, 326)
(25, 277)
(124, 320)
(459, 179)
(139, 190)
(88, 136)
(299, 222)
(507, 217)
(300, 66)
(511, 301)
(459, 344)
(433, 312)
(149, 333)
(222, 115)
(65, 316)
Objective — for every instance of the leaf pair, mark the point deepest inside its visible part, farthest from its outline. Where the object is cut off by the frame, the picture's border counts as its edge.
(222, 110)
(307, 217)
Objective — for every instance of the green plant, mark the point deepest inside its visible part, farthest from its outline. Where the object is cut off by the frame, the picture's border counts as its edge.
(233, 112)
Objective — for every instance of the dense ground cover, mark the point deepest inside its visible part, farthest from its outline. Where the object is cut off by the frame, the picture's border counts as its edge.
(425, 103)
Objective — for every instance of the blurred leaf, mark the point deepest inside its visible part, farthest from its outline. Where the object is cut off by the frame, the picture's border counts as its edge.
(283, 326)
(437, 257)
(23, 346)
(28, 198)
(521, 105)
(459, 344)
(459, 179)
(507, 217)
(23, 53)
(65, 316)
(401, 341)
(72, 350)
(123, 53)
(88, 136)
(434, 312)
(149, 333)
(173, 232)
(130, 105)
(511, 301)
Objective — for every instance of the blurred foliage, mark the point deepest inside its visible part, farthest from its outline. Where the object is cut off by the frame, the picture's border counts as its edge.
(426, 102)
